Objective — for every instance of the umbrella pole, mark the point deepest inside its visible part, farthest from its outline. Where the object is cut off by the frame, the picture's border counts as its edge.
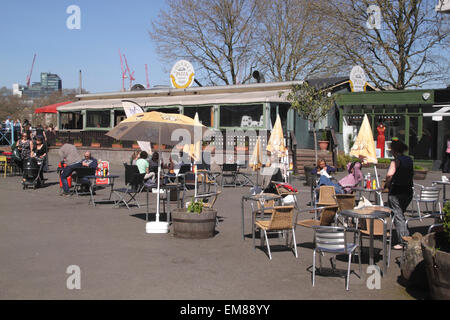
(378, 183)
(157, 226)
(196, 180)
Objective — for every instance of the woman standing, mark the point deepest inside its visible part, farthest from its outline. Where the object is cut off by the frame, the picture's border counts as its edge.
(24, 145)
(399, 181)
(40, 153)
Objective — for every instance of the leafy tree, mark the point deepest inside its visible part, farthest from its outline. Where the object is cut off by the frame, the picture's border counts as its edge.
(311, 104)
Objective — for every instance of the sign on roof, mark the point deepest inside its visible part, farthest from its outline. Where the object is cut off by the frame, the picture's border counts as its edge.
(358, 79)
(182, 75)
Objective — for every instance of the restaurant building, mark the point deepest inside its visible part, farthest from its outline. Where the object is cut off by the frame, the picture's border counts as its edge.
(406, 114)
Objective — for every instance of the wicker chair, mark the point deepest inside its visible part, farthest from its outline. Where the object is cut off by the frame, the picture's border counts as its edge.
(327, 217)
(345, 202)
(326, 196)
(281, 220)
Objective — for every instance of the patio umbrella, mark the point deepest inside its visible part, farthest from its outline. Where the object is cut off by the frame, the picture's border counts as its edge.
(154, 127)
(131, 108)
(255, 161)
(276, 142)
(364, 147)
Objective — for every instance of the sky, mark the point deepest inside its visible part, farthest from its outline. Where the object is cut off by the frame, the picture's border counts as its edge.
(28, 27)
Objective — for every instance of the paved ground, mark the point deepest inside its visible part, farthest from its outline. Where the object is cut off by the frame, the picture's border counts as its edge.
(41, 234)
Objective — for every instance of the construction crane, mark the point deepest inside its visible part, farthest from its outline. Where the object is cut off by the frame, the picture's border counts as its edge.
(146, 75)
(130, 74)
(31, 71)
(124, 73)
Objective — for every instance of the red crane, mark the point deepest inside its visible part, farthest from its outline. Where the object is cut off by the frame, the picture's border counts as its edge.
(130, 74)
(31, 71)
(124, 73)
(146, 75)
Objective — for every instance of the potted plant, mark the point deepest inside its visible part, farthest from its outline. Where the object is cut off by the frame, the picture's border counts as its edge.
(117, 145)
(323, 142)
(78, 143)
(58, 143)
(135, 145)
(420, 173)
(194, 222)
(436, 254)
(95, 143)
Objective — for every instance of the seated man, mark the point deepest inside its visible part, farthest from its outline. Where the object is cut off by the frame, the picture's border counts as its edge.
(69, 154)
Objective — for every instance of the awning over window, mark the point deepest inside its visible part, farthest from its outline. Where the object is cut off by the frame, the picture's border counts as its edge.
(51, 108)
(439, 114)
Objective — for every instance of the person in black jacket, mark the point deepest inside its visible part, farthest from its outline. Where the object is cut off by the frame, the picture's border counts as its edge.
(399, 181)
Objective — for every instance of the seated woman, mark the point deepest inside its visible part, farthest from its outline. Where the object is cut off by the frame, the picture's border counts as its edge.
(323, 170)
(353, 178)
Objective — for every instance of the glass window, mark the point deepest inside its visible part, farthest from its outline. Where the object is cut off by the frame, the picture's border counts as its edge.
(165, 110)
(249, 116)
(98, 119)
(204, 114)
(119, 116)
(71, 121)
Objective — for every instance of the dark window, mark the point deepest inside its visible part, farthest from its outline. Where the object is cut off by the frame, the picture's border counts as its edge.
(204, 114)
(250, 116)
(98, 119)
(71, 120)
(164, 110)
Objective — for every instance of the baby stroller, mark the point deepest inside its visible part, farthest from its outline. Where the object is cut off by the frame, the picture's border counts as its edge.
(32, 169)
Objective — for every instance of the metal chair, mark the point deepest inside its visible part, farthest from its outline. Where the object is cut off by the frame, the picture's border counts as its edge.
(281, 220)
(229, 170)
(333, 240)
(134, 185)
(427, 195)
(79, 179)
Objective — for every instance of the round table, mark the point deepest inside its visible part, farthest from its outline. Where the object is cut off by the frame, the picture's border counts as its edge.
(370, 191)
(371, 213)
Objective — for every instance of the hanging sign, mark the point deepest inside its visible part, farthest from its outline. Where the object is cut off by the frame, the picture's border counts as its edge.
(358, 79)
(182, 75)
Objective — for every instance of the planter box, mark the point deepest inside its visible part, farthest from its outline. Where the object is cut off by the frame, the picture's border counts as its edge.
(420, 174)
(78, 144)
(58, 144)
(135, 146)
(193, 225)
(95, 144)
(437, 265)
(116, 146)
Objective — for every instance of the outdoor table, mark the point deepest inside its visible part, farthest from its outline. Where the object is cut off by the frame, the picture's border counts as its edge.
(371, 191)
(93, 184)
(256, 197)
(371, 213)
(444, 195)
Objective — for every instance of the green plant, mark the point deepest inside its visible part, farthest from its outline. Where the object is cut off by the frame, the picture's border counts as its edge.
(417, 167)
(324, 136)
(311, 104)
(195, 206)
(384, 160)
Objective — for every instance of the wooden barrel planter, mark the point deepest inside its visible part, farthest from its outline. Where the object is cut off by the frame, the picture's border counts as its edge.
(437, 264)
(188, 225)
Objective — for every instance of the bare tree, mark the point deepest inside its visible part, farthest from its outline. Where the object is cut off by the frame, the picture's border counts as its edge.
(217, 35)
(405, 51)
(292, 40)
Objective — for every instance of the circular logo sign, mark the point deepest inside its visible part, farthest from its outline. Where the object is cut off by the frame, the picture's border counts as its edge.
(182, 75)
(357, 79)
